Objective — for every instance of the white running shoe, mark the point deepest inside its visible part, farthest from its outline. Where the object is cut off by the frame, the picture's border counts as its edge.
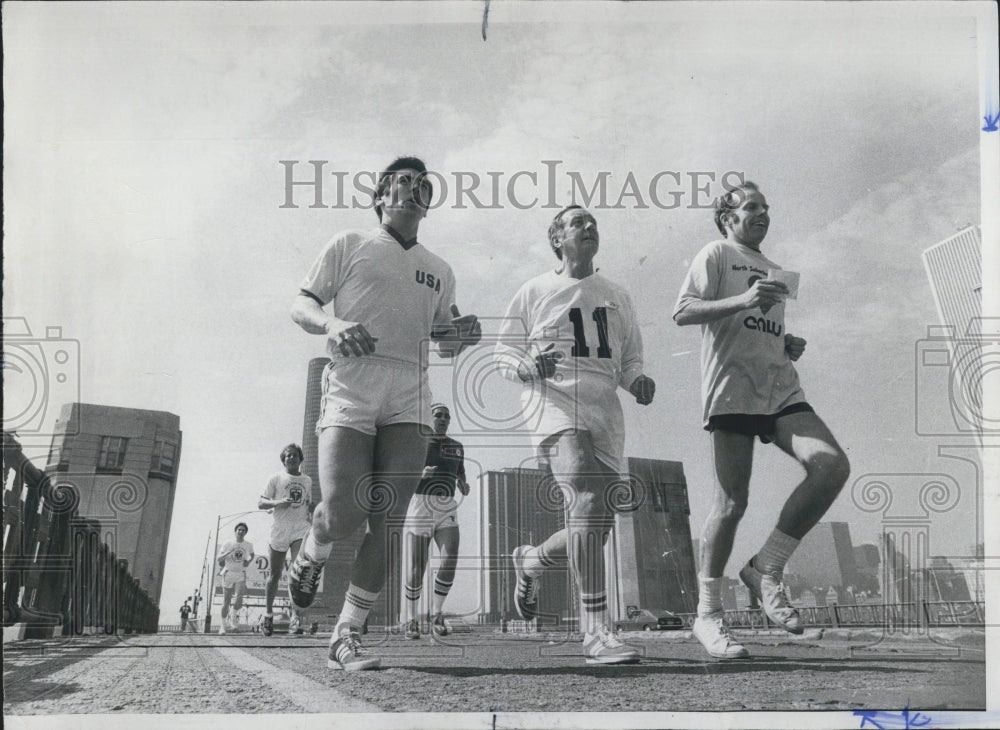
(346, 654)
(714, 635)
(526, 592)
(773, 597)
(605, 647)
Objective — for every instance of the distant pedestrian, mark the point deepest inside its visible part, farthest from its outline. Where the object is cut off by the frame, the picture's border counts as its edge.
(185, 612)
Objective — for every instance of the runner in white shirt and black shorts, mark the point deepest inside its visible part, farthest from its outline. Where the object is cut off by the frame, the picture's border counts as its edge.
(571, 337)
(390, 296)
(433, 513)
(751, 390)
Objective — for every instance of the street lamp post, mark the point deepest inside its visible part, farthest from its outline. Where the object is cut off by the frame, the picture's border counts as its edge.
(215, 553)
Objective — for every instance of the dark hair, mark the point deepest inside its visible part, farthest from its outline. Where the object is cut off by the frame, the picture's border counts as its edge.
(729, 201)
(557, 225)
(385, 177)
(290, 448)
(241, 524)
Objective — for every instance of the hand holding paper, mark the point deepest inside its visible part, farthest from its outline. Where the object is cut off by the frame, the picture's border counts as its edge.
(789, 278)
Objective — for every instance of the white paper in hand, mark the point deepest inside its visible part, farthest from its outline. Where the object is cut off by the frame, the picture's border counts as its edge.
(788, 278)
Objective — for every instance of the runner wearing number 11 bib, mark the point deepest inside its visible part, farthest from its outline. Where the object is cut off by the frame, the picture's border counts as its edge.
(572, 338)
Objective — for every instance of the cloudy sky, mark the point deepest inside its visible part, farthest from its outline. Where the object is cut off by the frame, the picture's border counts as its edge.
(144, 194)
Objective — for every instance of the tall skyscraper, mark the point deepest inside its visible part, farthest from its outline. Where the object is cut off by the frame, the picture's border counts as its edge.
(653, 557)
(123, 464)
(825, 558)
(648, 559)
(954, 267)
(521, 507)
(337, 573)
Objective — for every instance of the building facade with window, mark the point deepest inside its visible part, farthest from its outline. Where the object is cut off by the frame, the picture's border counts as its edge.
(649, 561)
(122, 464)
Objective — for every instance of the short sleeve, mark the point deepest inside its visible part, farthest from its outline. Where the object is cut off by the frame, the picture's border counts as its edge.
(326, 273)
(702, 280)
(271, 490)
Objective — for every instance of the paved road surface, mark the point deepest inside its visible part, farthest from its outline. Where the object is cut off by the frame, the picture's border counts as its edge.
(483, 672)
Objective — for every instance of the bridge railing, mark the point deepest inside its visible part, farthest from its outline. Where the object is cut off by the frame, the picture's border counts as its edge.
(935, 614)
(60, 577)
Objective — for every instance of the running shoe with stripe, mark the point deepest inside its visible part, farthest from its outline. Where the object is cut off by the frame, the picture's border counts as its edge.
(346, 653)
(605, 647)
(526, 592)
(268, 627)
(303, 579)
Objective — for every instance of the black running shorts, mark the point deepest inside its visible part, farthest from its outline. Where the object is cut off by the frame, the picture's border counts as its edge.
(754, 425)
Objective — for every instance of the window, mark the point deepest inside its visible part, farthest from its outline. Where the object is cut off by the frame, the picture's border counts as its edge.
(164, 457)
(112, 454)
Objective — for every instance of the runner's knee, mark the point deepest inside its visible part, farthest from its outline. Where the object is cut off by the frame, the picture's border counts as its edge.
(832, 467)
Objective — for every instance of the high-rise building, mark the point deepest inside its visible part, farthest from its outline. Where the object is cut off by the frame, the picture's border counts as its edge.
(122, 463)
(868, 565)
(954, 267)
(521, 507)
(824, 558)
(945, 581)
(653, 559)
(649, 560)
(337, 573)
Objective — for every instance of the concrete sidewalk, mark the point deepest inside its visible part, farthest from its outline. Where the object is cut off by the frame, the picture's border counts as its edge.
(247, 673)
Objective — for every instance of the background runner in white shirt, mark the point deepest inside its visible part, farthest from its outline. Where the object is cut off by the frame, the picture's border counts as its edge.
(288, 496)
(234, 558)
(750, 388)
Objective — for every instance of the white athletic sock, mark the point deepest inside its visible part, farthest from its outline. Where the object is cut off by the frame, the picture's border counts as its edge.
(441, 589)
(594, 613)
(314, 550)
(536, 560)
(411, 601)
(357, 603)
(776, 551)
(709, 595)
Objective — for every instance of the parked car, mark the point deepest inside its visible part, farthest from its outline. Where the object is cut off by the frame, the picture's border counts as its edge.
(645, 619)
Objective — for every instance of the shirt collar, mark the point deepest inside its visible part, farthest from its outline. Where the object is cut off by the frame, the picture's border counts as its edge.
(407, 245)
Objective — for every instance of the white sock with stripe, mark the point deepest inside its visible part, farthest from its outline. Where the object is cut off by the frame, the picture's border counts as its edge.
(357, 604)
